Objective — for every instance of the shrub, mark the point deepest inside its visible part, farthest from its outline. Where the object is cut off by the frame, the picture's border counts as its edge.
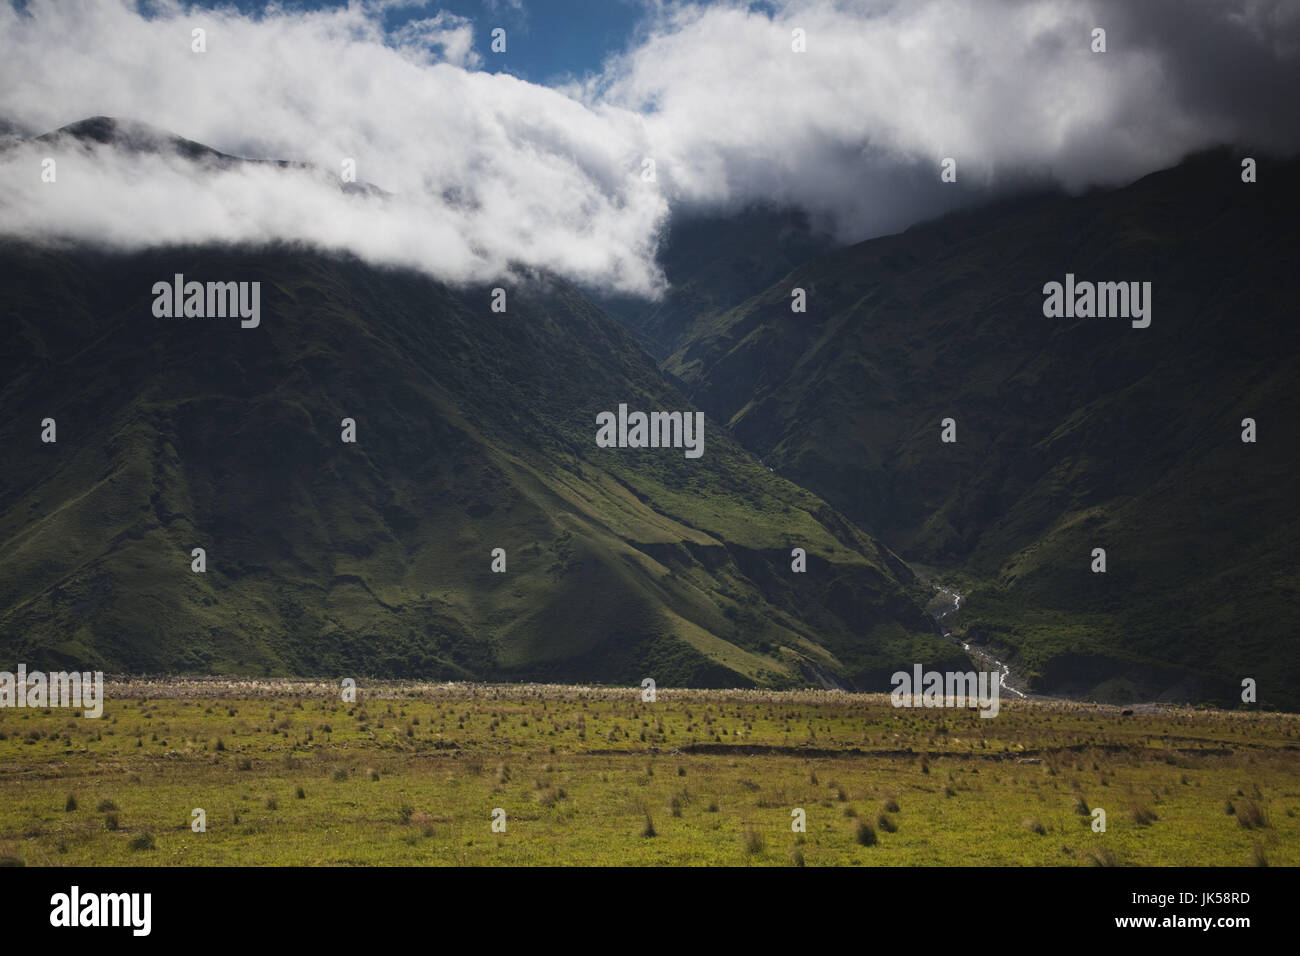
(753, 841)
(1144, 816)
(866, 834)
(885, 823)
(71, 804)
(1251, 815)
(1101, 856)
(143, 841)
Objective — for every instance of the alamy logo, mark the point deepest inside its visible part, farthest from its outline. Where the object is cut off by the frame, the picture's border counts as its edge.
(212, 300)
(61, 689)
(656, 430)
(103, 909)
(952, 689)
(1086, 300)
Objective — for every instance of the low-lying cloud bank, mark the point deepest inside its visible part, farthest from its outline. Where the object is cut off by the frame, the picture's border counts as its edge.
(486, 172)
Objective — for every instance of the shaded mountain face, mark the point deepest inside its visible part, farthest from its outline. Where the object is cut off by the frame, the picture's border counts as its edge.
(714, 262)
(1071, 433)
(475, 430)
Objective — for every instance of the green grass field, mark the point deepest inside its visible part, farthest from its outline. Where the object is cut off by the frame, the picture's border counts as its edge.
(288, 774)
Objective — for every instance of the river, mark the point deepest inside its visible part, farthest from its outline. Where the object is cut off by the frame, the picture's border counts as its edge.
(946, 602)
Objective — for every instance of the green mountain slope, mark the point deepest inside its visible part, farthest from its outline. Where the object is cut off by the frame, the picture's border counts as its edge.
(475, 431)
(1072, 433)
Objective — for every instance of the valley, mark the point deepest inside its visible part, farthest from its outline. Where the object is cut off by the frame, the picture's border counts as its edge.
(1059, 435)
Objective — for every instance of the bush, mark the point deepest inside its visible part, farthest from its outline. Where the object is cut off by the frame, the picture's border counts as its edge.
(753, 841)
(1034, 826)
(866, 834)
(1251, 815)
(143, 841)
(1144, 816)
(71, 803)
(111, 822)
(107, 806)
(1101, 856)
(885, 823)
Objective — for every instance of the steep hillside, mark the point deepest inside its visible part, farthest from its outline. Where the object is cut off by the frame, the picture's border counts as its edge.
(475, 430)
(1072, 433)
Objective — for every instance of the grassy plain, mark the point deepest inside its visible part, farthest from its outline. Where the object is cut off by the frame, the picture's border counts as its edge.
(287, 773)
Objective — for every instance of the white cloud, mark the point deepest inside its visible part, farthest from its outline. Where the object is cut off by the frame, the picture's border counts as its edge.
(486, 170)
(444, 38)
(855, 127)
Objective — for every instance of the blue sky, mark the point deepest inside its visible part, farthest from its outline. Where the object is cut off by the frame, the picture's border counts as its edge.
(546, 40)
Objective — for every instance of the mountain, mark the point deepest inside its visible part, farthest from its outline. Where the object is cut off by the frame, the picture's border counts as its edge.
(712, 261)
(475, 430)
(1072, 433)
(131, 136)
